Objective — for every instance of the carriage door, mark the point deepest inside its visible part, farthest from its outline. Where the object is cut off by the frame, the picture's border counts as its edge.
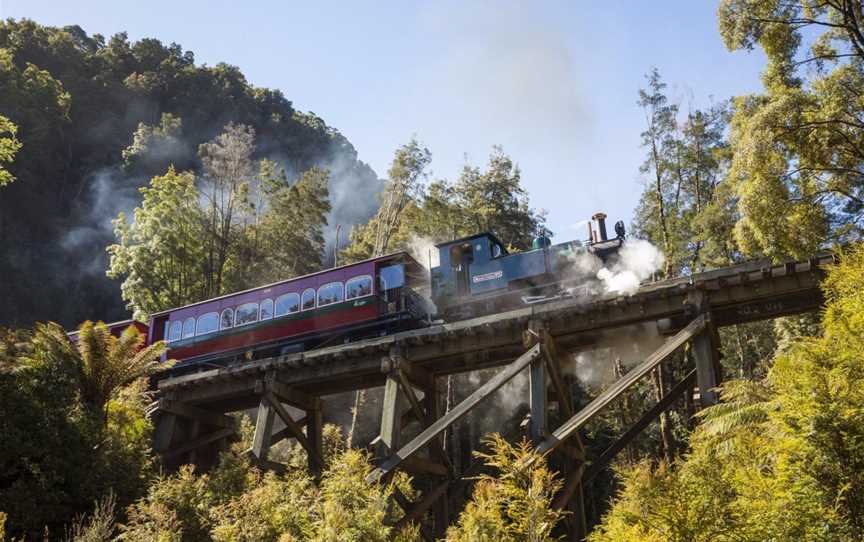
(461, 258)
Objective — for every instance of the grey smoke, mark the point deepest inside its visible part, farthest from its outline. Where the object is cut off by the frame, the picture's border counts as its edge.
(594, 366)
(109, 192)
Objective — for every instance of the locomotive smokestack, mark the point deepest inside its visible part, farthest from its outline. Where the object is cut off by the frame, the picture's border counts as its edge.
(601, 225)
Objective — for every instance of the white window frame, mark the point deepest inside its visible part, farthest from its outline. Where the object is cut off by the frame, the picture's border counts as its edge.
(299, 305)
(221, 318)
(186, 321)
(171, 331)
(371, 286)
(237, 310)
(218, 323)
(318, 293)
(261, 309)
(314, 299)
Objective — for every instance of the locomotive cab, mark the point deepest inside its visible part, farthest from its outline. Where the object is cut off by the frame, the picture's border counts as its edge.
(456, 275)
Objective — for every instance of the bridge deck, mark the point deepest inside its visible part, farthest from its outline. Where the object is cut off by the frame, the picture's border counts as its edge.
(734, 295)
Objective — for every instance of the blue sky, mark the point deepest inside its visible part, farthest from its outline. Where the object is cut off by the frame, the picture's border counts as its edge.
(554, 82)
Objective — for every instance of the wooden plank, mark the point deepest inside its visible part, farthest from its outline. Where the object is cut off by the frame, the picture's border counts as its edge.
(537, 399)
(650, 415)
(553, 358)
(164, 432)
(263, 430)
(203, 440)
(315, 436)
(706, 356)
(406, 505)
(391, 414)
(572, 425)
(456, 413)
(283, 433)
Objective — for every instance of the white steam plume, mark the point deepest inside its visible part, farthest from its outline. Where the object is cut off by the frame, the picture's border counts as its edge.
(637, 261)
(423, 250)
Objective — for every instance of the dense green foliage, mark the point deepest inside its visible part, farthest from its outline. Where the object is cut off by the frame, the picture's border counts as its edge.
(221, 186)
(9, 146)
(778, 459)
(797, 167)
(414, 215)
(241, 225)
(96, 118)
(73, 423)
(513, 505)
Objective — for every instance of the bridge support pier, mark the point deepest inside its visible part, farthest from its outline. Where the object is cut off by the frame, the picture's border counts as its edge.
(706, 352)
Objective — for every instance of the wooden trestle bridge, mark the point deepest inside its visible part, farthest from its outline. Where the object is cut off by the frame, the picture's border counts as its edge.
(191, 423)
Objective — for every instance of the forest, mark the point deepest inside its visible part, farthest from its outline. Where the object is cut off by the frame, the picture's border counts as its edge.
(133, 180)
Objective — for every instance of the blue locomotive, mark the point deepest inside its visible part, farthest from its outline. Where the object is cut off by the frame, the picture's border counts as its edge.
(476, 274)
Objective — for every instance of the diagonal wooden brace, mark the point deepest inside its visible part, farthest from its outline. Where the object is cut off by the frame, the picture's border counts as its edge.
(293, 427)
(578, 420)
(437, 445)
(427, 435)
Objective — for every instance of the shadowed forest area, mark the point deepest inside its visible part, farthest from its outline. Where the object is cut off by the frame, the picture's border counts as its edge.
(133, 180)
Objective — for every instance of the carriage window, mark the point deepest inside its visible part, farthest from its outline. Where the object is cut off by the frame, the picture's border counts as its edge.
(189, 328)
(287, 304)
(176, 331)
(227, 319)
(267, 309)
(308, 298)
(207, 323)
(246, 314)
(358, 287)
(330, 293)
(392, 276)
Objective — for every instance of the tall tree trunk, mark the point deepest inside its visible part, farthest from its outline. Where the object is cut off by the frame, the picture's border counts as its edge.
(661, 206)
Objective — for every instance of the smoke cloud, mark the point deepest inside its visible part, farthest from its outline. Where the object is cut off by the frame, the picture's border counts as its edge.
(637, 261)
(423, 250)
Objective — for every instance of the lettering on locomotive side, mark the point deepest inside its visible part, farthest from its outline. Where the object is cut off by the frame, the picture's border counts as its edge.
(487, 276)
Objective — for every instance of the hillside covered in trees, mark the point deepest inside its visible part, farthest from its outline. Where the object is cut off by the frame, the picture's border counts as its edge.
(226, 186)
(96, 117)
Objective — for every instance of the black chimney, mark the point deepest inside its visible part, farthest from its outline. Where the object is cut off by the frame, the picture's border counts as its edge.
(601, 225)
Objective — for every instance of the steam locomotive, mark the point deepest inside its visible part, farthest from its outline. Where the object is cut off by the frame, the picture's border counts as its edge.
(475, 275)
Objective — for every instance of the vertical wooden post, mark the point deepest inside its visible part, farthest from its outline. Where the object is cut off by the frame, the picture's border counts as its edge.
(533, 334)
(391, 415)
(164, 432)
(706, 355)
(314, 434)
(538, 400)
(432, 407)
(576, 506)
(263, 430)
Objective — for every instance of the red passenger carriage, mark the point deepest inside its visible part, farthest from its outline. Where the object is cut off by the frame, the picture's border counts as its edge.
(363, 299)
